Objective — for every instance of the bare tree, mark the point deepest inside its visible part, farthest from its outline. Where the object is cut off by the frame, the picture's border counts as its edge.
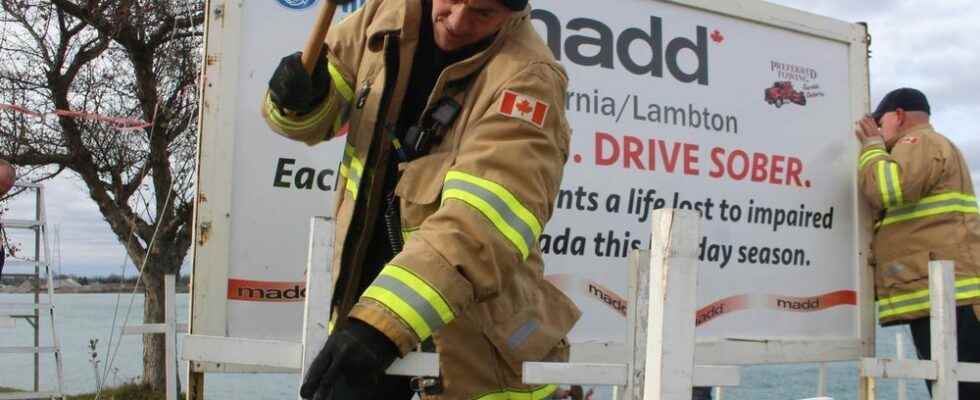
(136, 59)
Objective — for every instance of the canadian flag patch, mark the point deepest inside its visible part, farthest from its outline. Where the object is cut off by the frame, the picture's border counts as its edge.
(523, 107)
(910, 140)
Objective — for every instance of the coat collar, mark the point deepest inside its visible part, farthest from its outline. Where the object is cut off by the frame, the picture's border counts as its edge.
(403, 16)
(926, 127)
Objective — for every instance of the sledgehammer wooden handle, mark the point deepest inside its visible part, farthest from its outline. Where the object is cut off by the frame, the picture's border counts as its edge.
(315, 42)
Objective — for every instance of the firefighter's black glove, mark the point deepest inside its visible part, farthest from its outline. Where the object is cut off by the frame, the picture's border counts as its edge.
(351, 364)
(292, 88)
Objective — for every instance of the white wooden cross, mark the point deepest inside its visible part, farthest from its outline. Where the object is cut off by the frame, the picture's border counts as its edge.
(169, 328)
(944, 369)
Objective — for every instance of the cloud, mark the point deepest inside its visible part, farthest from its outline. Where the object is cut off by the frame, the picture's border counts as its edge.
(927, 45)
(923, 44)
(87, 245)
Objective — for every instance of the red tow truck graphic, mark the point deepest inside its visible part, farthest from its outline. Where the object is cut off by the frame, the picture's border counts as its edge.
(782, 92)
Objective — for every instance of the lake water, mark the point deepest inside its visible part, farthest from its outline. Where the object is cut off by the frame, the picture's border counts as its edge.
(82, 317)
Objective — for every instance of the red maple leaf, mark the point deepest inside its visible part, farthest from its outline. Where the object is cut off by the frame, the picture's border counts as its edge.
(524, 107)
(717, 36)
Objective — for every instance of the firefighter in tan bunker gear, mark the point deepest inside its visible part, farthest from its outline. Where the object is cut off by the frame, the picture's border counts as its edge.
(919, 184)
(453, 112)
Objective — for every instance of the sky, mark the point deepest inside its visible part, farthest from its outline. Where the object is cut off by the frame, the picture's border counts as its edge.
(929, 45)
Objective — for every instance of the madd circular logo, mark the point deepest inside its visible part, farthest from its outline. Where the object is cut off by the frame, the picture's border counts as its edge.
(297, 4)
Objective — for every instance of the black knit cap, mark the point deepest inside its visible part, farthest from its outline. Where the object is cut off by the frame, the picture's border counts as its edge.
(907, 99)
(515, 5)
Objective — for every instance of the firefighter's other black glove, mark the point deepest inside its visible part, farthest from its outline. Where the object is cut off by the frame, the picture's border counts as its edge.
(293, 89)
(351, 364)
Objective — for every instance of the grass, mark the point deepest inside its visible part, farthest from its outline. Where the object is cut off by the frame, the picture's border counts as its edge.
(125, 392)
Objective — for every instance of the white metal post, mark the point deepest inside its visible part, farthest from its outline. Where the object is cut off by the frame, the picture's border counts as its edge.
(942, 329)
(900, 351)
(636, 317)
(944, 368)
(316, 314)
(319, 290)
(170, 335)
(822, 380)
(668, 368)
(169, 328)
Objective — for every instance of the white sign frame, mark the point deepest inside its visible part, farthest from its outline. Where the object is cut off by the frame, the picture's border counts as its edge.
(213, 221)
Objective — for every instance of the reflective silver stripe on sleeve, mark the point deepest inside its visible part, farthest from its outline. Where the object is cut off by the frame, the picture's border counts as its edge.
(514, 221)
(419, 303)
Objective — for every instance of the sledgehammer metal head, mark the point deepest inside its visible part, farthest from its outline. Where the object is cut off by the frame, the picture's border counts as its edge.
(311, 52)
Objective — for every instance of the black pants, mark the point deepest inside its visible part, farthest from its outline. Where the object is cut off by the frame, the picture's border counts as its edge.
(701, 393)
(967, 345)
(394, 388)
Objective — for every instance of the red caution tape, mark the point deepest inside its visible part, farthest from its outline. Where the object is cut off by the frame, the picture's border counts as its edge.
(121, 123)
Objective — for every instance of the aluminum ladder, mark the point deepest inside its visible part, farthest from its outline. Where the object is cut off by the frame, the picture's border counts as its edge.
(31, 312)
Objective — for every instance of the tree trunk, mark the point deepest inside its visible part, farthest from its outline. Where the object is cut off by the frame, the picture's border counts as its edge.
(154, 354)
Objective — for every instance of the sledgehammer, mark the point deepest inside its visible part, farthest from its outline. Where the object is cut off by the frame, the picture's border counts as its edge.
(311, 52)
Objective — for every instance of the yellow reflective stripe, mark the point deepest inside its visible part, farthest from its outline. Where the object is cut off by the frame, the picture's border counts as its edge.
(869, 155)
(967, 282)
(356, 165)
(401, 309)
(932, 205)
(412, 299)
(882, 186)
(297, 123)
(345, 162)
(351, 187)
(522, 212)
(924, 305)
(903, 310)
(930, 212)
(897, 184)
(924, 292)
(890, 184)
(339, 83)
(352, 170)
(946, 196)
(538, 393)
(407, 233)
(887, 305)
(423, 288)
(491, 214)
(499, 205)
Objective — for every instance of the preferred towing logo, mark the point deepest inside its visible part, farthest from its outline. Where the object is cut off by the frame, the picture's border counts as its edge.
(795, 84)
(297, 4)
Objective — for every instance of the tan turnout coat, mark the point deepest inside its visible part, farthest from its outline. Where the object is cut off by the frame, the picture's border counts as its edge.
(927, 210)
(470, 275)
